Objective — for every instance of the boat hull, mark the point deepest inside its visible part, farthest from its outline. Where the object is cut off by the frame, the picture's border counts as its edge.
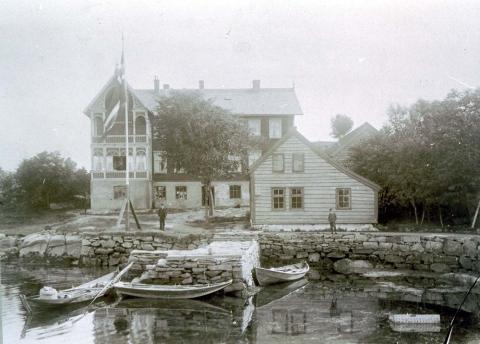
(152, 291)
(271, 276)
(76, 295)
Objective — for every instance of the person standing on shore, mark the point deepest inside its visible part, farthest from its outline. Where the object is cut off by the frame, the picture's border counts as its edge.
(332, 219)
(162, 214)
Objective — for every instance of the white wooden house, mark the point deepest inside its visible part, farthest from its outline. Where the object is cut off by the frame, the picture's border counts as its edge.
(295, 184)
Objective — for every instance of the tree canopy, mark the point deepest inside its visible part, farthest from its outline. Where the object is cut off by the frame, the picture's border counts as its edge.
(341, 125)
(427, 156)
(199, 138)
(43, 179)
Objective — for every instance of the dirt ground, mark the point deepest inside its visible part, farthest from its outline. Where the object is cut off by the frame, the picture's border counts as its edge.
(185, 222)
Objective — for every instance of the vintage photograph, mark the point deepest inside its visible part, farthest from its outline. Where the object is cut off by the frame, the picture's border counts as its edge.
(255, 171)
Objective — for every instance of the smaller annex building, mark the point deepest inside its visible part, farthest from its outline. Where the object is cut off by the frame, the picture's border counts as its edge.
(294, 183)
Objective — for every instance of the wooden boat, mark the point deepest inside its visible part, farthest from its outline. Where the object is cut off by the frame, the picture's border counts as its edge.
(156, 291)
(85, 292)
(281, 274)
(82, 293)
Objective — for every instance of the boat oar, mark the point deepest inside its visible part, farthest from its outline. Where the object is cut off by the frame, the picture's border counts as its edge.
(111, 282)
(450, 328)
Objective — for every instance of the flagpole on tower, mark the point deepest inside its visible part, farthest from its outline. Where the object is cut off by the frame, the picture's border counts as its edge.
(127, 153)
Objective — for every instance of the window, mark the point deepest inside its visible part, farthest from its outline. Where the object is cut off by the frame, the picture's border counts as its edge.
(296, 198)
(277, 163)
(98, 159)
(278, 198)
(253, 156)
(111, 153)
(298, 162)
(120, 163)
(159, 165)
(254, 126)
(140, 126)
(180, 192)
(235, 191)
(98, 126)
(161, 192)
(141, 160)
(275, 128)
(119, 192)
(344, 198)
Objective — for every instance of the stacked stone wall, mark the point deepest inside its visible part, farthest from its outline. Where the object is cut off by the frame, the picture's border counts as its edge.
(426, 252)
(203, 266)
(113, 248)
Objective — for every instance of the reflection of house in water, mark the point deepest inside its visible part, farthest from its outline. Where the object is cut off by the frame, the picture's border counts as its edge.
(170, 322)
(319, 315)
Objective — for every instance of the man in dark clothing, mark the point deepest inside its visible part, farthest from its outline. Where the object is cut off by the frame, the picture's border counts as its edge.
(332, 219)
(162, 214)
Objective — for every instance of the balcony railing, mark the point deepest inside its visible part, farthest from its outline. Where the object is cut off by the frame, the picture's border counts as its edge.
(119, 139)
(119, 174)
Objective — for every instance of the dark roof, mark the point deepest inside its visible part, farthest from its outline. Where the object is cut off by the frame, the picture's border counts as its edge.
(294, 132)
(263, 101)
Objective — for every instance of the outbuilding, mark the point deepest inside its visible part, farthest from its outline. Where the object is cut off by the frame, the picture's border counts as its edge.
(294, 185)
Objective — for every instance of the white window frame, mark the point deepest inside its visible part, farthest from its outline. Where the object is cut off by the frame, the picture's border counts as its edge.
(275, 128)
(254, 126)
(276, 168)
(343, 198)
(298, 157)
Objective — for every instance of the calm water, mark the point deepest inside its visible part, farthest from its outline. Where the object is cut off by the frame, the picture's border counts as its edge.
(335, 310)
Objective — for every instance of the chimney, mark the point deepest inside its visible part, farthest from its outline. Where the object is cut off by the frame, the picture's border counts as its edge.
(156, 84)
(201, 84)
(166, 86)
(256, 84)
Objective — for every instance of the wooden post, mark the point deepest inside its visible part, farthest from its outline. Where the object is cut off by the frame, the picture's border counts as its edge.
(134, 215)
(440, 215)
(122, 211)
(476, 215)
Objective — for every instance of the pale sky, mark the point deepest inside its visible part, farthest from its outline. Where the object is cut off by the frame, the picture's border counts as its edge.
(350, 57)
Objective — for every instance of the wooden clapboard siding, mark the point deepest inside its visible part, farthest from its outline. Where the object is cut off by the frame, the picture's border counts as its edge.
(319, 181)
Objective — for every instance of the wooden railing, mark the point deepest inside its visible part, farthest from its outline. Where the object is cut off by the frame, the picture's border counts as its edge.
(119, 174)
(119, 139)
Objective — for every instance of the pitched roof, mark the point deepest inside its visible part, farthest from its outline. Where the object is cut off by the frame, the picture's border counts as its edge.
(294, 132)
(247, 101)
(263, 101)
(324, 145)
(359, 133)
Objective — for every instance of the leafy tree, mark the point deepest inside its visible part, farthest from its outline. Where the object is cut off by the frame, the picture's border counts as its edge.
(341, 125)
(199, 138)
(427, 156)
(48, 178)
(10, 193)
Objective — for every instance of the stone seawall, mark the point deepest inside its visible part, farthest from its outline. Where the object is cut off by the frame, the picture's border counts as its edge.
(114, 248)
(426, 252)
(95, 249)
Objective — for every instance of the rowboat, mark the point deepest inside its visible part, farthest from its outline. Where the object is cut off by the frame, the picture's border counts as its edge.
(89, 291)
(281, 274)
(158, 291)
(82, 293)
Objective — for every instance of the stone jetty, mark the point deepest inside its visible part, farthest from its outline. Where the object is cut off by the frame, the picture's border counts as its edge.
(216, 262)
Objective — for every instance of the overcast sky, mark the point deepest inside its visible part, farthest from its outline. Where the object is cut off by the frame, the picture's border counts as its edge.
(350, 57)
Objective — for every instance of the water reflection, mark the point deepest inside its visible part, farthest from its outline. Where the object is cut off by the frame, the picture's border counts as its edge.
(353, 310)
(163, 321)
